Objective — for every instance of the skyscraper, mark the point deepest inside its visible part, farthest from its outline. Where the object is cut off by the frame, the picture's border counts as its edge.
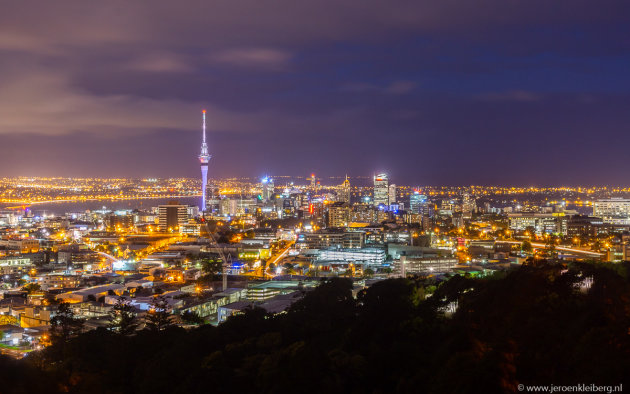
(417, 202)
(344, 191)
(204, 158)
(267, 188)
(381, 190)
(392, 194)
(468, 206)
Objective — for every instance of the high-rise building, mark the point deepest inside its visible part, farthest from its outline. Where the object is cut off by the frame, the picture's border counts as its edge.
(313, 182)
(381, 190)
(228, 207)
(193, 211)
(344, 191)
(267, 188)
(392, 194)
(339, 214)
(204, 158)
(172, 216)
(417, 202)
(289, 207)
(469, 205)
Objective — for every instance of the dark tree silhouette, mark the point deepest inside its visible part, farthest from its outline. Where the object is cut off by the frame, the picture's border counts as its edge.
(211, 266)
(122, 317)
(64, 324)
(158, 316)
(532, 325)
(32, 288)
(192, 318)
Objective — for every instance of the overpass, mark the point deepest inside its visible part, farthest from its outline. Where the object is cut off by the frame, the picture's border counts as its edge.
(567, 249)
(109, 257)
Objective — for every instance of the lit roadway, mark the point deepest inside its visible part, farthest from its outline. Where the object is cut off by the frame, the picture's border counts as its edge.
(278, 257)
(12, 352)
(113, 259)
(538, 245)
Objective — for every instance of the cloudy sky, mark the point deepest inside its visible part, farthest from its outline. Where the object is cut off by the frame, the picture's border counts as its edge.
(433, 92)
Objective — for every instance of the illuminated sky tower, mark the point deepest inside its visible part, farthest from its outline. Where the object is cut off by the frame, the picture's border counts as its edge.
(204, 157)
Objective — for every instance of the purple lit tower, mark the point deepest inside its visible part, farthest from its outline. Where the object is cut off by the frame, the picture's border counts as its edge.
(204, 158)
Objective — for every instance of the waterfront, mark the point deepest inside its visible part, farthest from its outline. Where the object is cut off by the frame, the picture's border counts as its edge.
(63, 207)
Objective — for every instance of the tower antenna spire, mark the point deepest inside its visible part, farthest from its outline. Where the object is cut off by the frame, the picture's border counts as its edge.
(204, 126)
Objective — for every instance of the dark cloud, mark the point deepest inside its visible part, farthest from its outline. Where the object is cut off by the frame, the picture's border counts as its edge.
(432, 91)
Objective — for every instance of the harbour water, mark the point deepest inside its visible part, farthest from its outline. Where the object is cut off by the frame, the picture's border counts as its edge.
(59, 208)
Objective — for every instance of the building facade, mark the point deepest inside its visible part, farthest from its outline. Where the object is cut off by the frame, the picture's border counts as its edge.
(172, 217)
(344, 191)
(339, 214)
(381, 190)
(613, 211)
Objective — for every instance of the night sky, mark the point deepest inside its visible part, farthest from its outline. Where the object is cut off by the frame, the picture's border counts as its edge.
(432, 92)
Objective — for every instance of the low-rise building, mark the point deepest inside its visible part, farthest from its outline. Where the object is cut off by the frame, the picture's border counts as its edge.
(14, 265)
(11, 335)
(58, 281)
(275, 305)
(364, 256)
(35, 317)
(542, 223)
(91, 293)
(613, 210)
(21, 245)
(332, 238)
(428, 265)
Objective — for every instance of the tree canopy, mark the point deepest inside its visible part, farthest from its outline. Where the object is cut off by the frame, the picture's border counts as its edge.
(533, 325)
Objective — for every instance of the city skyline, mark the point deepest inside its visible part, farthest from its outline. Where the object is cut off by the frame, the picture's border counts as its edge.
(435, 94)
(421, 196)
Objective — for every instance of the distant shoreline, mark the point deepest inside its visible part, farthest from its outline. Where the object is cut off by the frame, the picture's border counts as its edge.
(18, 204)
